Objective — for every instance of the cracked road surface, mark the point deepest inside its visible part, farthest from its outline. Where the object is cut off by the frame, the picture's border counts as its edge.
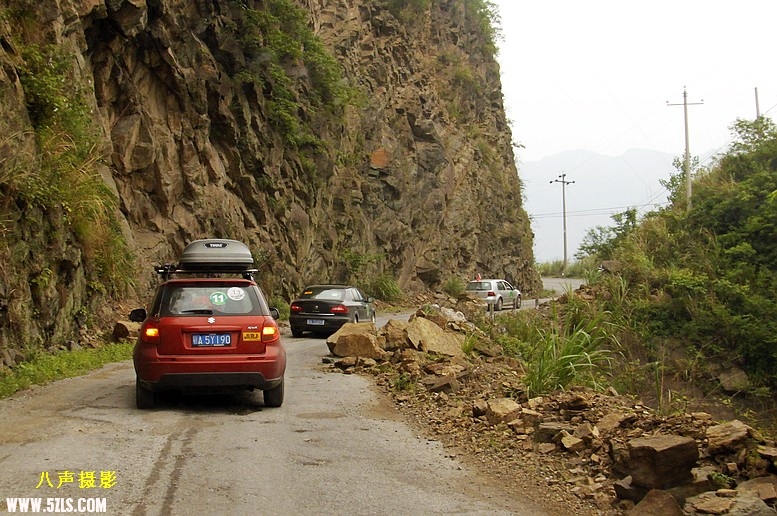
(334, 447)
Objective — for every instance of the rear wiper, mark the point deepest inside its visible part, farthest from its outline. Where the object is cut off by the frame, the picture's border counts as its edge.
(204, 311)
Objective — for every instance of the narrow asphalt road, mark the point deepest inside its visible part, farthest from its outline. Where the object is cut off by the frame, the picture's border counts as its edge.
(561, 285)
(334, 447)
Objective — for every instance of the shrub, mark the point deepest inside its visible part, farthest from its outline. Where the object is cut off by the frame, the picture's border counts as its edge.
(356, 262)
(454, 286)
(386, 288)
(403, 382)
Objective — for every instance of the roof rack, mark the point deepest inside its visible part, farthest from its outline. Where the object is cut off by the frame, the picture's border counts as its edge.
(168, 269)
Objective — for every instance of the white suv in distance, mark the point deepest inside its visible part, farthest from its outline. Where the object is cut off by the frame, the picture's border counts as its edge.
(497, 291)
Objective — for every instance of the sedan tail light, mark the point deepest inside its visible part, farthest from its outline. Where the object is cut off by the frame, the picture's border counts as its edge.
(339, 309)
(295, 307)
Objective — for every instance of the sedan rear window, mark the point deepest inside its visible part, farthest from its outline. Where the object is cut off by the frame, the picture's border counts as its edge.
(334, 294)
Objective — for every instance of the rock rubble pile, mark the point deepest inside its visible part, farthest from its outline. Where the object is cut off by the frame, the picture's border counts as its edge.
(597, 452)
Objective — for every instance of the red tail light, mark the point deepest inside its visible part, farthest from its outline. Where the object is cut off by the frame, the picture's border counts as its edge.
(339, 309)
(149, 333)
(295, 307)
(269, 333)
(491, 293)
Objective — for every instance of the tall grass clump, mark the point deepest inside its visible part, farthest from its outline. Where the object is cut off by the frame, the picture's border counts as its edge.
(454, 286)
(73, 184)
(386, 288)
(573, 347)
(559, 361)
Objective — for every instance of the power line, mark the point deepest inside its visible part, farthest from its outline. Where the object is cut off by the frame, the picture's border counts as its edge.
(597, 211)
(607, 210)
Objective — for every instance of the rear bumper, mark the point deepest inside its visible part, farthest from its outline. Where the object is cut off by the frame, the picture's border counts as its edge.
(211, 382)
(331, 323)
(211, 373)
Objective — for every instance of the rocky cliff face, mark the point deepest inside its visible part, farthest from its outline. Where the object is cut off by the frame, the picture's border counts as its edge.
(340, 139)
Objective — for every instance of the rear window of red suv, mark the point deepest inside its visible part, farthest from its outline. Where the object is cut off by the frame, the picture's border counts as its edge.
(209, 298)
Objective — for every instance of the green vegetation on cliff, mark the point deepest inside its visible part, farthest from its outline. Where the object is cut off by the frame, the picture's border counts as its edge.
(484, 13)
(275, 38)
(64, 176)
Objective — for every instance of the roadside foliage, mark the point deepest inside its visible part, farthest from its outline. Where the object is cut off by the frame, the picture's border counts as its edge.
(701, 279)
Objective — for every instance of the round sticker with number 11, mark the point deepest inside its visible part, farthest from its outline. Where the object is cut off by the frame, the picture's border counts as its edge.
(218, 298)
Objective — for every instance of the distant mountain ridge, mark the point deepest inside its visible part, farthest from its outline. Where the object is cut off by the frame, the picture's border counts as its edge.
(603, 185)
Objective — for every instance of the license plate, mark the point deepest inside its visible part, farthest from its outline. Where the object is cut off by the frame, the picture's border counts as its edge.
(316, 322)
(211, 339)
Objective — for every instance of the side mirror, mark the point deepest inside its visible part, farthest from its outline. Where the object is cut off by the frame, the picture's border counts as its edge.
(138, 315)
(275, 313)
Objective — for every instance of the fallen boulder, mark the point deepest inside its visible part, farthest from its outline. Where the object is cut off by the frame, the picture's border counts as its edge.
(657, 503)
(662, 461)
(394, 334)
(356, 340)
(501, 410)
(727, 436)
(429, 337)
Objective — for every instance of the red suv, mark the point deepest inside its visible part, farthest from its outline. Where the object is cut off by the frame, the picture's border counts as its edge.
(209, 329)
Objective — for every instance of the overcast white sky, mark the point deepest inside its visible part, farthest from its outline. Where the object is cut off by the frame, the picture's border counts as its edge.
(597, 75)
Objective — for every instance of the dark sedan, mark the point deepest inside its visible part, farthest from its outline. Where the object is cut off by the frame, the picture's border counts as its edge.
(324, 309)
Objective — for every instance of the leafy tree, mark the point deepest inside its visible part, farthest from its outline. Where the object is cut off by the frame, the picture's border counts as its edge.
(676, 185)
(753, 135)
(602, 240)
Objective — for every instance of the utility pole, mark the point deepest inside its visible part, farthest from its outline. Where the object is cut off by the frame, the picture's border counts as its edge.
(687, 161)
(757, 109)
(564, 183)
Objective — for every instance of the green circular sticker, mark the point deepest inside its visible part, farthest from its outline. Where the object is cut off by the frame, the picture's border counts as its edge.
(218, 298)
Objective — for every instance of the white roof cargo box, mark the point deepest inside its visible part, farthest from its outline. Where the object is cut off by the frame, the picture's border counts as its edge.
(216, 254)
